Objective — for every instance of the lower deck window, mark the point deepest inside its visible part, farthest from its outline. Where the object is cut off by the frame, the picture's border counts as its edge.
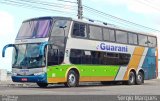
(100, 58)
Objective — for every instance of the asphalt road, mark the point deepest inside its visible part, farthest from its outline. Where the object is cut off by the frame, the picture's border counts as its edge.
(150, 87)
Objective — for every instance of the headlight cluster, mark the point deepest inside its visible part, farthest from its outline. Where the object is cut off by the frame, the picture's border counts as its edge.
(14, 74)
(40, 73)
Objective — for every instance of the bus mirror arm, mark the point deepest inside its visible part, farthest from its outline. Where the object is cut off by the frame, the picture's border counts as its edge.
(42, 47)
(7, 46)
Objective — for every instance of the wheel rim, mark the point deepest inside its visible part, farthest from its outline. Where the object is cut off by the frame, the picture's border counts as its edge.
(72, 79)
(139, 77)
(131, 78)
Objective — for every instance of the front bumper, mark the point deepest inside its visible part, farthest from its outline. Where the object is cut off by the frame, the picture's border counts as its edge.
(36, 78)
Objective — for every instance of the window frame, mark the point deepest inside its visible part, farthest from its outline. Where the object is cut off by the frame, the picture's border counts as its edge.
(100, 62)
(139, 41)
(47, 57)
(136, 40)
(126, 34)
(66, 35)
(114, 30)
(89, 25)
(155, 40)
(80, 37)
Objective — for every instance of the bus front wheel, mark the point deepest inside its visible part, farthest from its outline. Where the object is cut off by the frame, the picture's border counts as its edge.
(42, 85)
(72, 79)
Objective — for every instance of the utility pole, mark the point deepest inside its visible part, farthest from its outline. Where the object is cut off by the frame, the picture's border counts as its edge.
(80, 9)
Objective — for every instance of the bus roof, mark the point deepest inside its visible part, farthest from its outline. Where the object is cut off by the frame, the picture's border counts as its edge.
(90, 22)
(112, 27)
(48, 17)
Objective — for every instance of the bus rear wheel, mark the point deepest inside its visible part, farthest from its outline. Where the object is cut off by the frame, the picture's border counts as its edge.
(42, 85)
(132, 79)
(72, 79)
(139, 78)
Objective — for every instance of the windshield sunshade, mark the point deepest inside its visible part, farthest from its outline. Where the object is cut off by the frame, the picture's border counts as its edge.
(34, 29)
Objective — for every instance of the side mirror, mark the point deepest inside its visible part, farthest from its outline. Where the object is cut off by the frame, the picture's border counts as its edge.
(62, 26)
(5, 47)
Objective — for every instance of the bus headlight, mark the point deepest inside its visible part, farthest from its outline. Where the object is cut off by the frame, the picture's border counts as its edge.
(14, 74)
(40, 73)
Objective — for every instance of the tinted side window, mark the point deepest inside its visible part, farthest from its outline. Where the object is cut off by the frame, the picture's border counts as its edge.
(109, 34)
(86, 57)
(121, 37)
(132, 38)
(95, 32)
(79, 30)
(55, 55)
(112, 59)
(142, 40)
(98, 58)
(76, 56)
(152, 42)
(124, 59)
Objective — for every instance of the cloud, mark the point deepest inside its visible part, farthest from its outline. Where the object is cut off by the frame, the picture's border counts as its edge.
(6, 23)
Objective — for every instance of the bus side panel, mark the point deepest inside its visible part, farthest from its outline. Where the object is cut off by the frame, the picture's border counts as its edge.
(58, 74)
(149, 64)
(97, 72)
(134, 61)
(157, 62)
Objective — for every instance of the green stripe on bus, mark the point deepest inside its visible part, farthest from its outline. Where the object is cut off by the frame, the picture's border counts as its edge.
(85, 70)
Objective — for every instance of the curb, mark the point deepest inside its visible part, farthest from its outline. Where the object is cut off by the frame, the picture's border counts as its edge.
(11, 84)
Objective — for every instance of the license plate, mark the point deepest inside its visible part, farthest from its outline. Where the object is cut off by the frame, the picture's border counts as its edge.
(24, 79)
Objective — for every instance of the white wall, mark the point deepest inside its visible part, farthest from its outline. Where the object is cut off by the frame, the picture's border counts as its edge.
(3, 74)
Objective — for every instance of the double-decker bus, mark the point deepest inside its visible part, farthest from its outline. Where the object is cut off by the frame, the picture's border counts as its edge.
(50, 50)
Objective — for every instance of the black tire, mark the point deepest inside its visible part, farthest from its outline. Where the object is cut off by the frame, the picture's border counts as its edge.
(139, 78)
(42, 85)
(132, 78)
(72, 79)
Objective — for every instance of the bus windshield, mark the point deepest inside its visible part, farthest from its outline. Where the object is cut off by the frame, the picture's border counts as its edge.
(27, 56)
(34, 29)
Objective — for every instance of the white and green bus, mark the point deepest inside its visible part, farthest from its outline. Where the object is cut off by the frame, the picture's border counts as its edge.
(50, 50)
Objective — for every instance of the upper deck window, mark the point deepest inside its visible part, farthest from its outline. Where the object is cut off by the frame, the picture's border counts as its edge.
(109, 34)
(132, 38)
(60, 32)
(79, 30)
(143, 40)
(152, 41)
(95, 32)
(35, 29)
(61, 28)
(121, 36)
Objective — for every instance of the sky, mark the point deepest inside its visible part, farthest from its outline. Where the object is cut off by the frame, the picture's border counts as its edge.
(143, 12)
